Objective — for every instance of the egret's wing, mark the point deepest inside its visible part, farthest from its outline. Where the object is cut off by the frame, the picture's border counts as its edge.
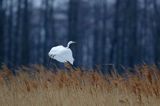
(61, 54)
(69, 56)
(55, 50)
(65, 56)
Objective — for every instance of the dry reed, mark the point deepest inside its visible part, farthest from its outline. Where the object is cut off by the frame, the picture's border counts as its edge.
(39, 86)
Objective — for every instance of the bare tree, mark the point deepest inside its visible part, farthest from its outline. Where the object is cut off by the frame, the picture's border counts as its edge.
(104, 32)
(73, 11)
(131, 29)
(114, 38)
(2, 20)
(157, 31)
(25, 33)
(48, 27)
(17, 34)
(96, 32)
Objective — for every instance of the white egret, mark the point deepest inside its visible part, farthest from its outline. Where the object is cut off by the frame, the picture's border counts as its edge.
(62, 54)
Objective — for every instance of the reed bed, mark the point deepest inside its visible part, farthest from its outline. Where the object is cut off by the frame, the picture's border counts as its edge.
(39, 86)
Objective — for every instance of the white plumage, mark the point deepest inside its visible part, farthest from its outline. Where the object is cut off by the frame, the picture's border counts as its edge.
(62, 54)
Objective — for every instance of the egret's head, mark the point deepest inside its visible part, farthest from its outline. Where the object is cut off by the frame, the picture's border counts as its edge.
(69, 43)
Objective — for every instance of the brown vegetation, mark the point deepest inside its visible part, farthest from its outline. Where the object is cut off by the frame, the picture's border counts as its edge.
(38, 86)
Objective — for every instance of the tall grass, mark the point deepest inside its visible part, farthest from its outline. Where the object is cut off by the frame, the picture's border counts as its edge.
(39, 86)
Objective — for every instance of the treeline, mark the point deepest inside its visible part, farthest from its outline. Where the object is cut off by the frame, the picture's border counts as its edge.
(120, 32)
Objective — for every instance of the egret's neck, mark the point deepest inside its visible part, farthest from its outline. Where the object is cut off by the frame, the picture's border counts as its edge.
(68, 45)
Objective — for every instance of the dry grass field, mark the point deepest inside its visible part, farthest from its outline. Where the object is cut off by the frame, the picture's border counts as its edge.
(38, 86)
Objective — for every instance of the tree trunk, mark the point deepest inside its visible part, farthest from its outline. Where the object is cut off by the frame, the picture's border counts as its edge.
(73, 12)
(96, 34)
(25, 34)
(157, 32)
(2, 20)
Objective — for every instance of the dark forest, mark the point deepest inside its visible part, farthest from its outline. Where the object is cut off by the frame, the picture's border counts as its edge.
(108, 32)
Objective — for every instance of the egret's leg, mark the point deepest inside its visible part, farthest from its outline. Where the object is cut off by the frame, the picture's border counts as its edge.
(55, 67)
(69, 66)
(49, 62)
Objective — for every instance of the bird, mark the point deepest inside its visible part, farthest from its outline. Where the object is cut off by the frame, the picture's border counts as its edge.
(62, 54)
